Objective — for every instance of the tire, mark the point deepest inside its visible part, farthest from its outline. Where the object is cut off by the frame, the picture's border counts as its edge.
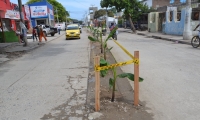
(52, 34)
(195, 42)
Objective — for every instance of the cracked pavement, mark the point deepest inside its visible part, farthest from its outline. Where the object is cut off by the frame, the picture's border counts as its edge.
(47, 83)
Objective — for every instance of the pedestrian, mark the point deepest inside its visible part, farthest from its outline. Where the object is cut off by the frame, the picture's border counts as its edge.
(59, 28)
(38, 31)
(34, 34)
(41, 34)
(112, 26)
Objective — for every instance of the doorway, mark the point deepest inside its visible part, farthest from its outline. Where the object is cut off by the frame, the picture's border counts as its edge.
(161, 20)
(43, 22)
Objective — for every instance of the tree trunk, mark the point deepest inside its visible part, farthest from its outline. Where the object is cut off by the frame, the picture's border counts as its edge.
(132, 26)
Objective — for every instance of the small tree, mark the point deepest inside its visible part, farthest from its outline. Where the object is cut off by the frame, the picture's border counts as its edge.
(103, 62)
(112, 81)
(103, 43)
(132, 8)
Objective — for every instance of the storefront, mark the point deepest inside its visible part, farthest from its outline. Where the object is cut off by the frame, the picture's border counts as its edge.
(9, 21)
(41, 13)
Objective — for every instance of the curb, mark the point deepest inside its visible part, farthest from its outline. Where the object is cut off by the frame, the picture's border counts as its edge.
(163, 38)
(42, 44)
(167, 39)
(173, 40)
(35, 46)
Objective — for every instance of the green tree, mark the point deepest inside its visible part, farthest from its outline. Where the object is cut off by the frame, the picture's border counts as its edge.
(102, 12)
(132, 8)
(62, 13)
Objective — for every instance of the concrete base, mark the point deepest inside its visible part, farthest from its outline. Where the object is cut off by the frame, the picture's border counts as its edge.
(187, 35)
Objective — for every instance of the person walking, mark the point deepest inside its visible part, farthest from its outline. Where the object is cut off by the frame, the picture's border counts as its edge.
(59, 29)
(112, 26)
(34, 35)
(41, 34)
(38, 31)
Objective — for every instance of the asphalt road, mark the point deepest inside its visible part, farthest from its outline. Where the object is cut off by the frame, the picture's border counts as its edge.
(49, 82)
(171, 72)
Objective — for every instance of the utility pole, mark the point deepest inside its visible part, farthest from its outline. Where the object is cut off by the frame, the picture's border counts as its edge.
(187, 33)
(57, 15)
(22, 20)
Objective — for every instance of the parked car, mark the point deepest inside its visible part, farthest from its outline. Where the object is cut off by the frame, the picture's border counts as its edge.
(54, 29)
(47, 30)
(72, 31)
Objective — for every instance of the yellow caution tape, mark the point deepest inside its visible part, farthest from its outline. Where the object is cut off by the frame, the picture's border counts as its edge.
(126, 51)
(97, 68)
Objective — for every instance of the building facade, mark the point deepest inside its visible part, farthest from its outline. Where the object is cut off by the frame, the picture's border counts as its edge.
(9, 20)
(42, 13)
(160, 3)
(171, 19)
(92, 11)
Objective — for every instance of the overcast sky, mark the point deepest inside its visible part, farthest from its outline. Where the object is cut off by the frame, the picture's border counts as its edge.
(77, 8)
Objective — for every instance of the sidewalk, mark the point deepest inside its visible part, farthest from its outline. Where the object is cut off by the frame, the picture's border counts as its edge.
(157, 35)
(9, 48)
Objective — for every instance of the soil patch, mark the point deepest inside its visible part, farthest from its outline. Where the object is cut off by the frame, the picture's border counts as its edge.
(122, 108)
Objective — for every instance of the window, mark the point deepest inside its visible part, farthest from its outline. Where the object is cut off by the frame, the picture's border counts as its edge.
(171, 1)
(170, 15)
(72, 27)
(195, 15)
(183, 1)
(178, 16)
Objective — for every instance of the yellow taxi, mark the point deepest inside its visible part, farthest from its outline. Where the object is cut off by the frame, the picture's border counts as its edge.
(72, 31)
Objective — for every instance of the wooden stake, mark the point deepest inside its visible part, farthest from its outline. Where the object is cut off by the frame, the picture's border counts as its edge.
(136, 80)
(97, 84)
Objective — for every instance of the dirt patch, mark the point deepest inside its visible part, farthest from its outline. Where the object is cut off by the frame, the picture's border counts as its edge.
(122, 108)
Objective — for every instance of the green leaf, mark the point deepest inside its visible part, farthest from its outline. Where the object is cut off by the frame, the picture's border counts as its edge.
(111, 82)
(110, 49)
(103, 73)
(105, 45)
(130, 76)
(92, 39)
(111, 34)
(103, 62)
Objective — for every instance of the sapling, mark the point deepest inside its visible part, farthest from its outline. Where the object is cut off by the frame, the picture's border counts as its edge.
(112, 81)
(103, 43)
